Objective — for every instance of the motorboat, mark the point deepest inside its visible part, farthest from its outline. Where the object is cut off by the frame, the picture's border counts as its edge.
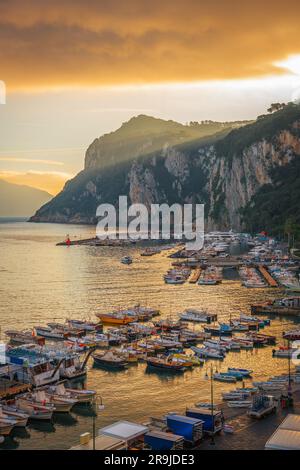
(126, 260)
(20, 417)
(24, 337)
(222, 377)
(109, 360)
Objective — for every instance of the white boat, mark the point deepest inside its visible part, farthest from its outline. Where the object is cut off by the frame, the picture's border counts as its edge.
(6, 426)
(199, 316)
(208, 353)
(10, 412)
(224, 378)
(34, 367)
(48, 332)
(80, 395)
(239, 404)
(34, 410)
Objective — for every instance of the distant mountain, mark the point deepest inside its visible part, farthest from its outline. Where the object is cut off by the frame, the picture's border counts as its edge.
(247, 174)
(20, 201)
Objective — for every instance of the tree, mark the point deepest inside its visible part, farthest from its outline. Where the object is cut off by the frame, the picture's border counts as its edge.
(276, 107)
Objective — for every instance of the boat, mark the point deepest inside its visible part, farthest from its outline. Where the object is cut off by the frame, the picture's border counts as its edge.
(286, 353)
(167, 325)
(34, 368)
(20, 417)
(208, 353)
(222, 330)
(228, 429)
(223, 377)
(196, 361)
(24, 337)
(126, 260)
(116, 318)
(239, 403)
(80, 395)
(293, 335)
(6, 426)
(47, 398)
(89, 327)
(109, 360)
(243, 372)
(198, 316)
(283, 306)
(235, 395)
(53, 333)
(34, 410)
(167, 363)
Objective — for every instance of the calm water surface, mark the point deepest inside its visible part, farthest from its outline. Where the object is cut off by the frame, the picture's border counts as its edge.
(40, 282)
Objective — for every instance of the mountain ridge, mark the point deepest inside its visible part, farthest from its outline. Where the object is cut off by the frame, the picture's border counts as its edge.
(224, 169)
(18, 200)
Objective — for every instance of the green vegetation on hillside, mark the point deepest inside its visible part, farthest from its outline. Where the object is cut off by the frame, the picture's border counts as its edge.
(274, 204)
(264, 128)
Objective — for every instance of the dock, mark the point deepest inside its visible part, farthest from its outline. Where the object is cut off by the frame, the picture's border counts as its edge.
(10, 388)
(195, 276)
(267, 276)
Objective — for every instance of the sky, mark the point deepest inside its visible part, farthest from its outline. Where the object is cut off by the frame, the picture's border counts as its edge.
(74, 70)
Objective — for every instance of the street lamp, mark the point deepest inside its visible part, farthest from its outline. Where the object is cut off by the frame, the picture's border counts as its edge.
(97, 406)
(212, 442)
(290, 384)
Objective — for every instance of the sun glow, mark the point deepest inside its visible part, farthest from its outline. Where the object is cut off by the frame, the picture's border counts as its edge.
(292, 63)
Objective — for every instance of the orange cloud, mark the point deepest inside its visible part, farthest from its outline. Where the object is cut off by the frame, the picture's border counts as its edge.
(51, 181)
(101, 42)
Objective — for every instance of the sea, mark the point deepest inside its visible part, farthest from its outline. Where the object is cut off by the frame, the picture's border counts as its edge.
(41, 282)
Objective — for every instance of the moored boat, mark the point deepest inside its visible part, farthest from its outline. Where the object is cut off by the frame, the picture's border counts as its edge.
(109, 360)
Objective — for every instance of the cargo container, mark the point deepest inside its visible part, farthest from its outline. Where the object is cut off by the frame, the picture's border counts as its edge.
(190, 429)
(159, 440)
(212, 420)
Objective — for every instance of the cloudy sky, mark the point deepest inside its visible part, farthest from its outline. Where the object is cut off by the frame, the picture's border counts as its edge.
(76, 69)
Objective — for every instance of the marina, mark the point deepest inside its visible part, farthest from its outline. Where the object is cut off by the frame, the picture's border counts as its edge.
(142, 334)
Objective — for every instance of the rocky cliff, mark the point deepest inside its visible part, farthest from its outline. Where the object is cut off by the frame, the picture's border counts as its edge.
(222, 166)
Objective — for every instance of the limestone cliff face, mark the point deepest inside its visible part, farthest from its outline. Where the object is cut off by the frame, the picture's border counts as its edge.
(224, 174)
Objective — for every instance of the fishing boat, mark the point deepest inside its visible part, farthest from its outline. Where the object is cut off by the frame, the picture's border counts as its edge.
(235, 395)
(166, 343)
(283, 306)
(239, 403)
(126, 260)
(109, 360)
(208, 353)
(243, 372)
(223, 377)
(238, 327)
(47, 398)
(34, 410)
(24, 337)
(116, 318)
(6, 426)
(293, 335)
(34, 368)
(87, 326)
(167, 325)
(167, 363)
(222, 330)
(8, 412)
(285, 352)
(79, 395)
(198, 316)
(196, 361)
(53, 333)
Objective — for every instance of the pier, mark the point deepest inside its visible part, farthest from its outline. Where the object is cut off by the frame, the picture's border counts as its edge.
(267, 276)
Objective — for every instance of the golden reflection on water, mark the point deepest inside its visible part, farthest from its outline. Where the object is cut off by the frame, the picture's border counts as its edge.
(40, 282)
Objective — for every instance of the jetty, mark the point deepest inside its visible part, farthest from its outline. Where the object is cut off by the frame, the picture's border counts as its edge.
(267, 276)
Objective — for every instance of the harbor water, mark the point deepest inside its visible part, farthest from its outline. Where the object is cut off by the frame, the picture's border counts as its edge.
(41, 282)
